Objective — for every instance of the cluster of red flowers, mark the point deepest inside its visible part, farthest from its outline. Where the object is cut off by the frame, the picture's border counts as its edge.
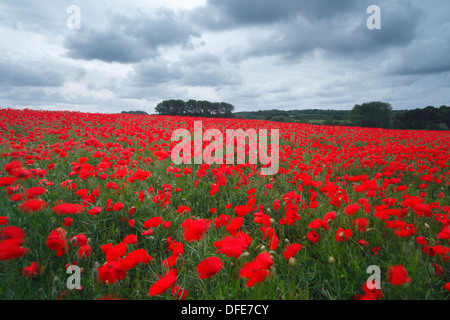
(334, 184)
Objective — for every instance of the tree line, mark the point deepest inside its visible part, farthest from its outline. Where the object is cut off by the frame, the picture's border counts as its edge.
(195, 108)
(380, 115)
(374, 114)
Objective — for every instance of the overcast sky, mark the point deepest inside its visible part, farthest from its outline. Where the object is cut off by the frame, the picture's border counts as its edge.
(255, 54)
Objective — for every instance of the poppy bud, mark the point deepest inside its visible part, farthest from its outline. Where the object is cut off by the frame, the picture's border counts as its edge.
(427, 226)
(263, 248)
(331, 260)
(292, 261)
(244, 254)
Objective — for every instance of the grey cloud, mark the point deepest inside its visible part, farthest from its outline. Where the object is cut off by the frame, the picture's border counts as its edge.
(130, 39)
(189, 70)
(221, 15)
(424, 56)
(344, 34)
(154, 72)
(19, 75)
(107, 46)
(208, 70)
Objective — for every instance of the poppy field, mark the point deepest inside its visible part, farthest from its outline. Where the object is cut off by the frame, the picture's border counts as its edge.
(99, 194)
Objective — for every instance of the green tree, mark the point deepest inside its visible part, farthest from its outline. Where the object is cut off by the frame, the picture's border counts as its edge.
(374, 114)
(195, 108)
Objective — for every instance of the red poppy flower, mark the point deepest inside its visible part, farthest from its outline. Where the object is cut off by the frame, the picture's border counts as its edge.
(343, 235)
(242, 210)
(68, 208)
(195, 229)
(3, 220)
(179, 292)
(79, 240)
(447, 286)
(94, 211)
(12, 232)
(34, 192)
(33, 205)
(12, 249)
(85, 251)
(234, 225)
(233, 246)
(421, 240)
(444, 234)
(135, 257)
(118, 206)
(110, 272)
(7, 181)
(256, 270)
(164, 283)
(33, 270)
(67, 222)
(153, 222)
(397, 275)
(12, 166)
(57, 241)
(112, 185)
(116, 252)
(183, 209)
(209, 267)
(130, 239)
(313, 236)
(291, 250)
(352, 209)
(361, 223)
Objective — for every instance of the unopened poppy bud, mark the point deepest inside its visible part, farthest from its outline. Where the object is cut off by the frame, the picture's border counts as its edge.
(286, 240)
(427, 226)
(272, 252)
(268, 210)
(292, 261)
(244, 254)
(331, 260)
(263, 248)
(272, 221)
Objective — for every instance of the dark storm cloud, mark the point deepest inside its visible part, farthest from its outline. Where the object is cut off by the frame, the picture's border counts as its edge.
(220, 15)
(107, 46)
(423, 56)
(291, 29)
(130, 39)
